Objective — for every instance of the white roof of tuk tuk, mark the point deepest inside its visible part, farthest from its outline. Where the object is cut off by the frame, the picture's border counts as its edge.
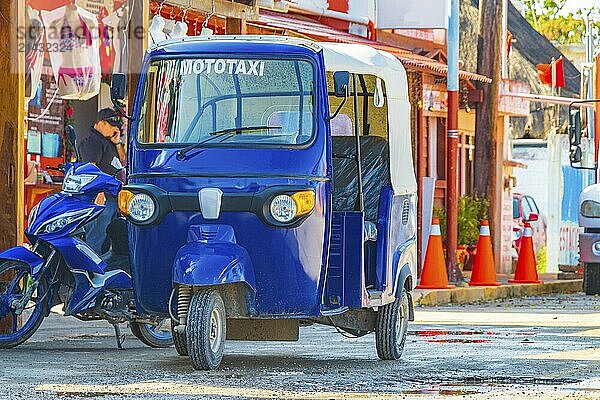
(362, 59)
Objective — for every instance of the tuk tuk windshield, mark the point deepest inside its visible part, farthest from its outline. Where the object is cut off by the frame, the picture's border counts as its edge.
(188, 100)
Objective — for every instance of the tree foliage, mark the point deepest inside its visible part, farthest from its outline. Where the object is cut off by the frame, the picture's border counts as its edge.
(546, 17)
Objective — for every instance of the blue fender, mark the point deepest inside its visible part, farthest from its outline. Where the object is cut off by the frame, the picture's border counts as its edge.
(213, 263)
(406, 256)
(26, 256)
(78, 254)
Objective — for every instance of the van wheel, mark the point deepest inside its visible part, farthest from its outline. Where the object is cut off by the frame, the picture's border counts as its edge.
(591, 278)
(206, 329)
(392, 328)
(180, 340)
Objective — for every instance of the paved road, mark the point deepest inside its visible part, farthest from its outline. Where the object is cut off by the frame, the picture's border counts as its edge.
(543, 348)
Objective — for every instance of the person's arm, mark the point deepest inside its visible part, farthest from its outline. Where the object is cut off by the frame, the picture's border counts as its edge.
(120, 146)
(121, 152)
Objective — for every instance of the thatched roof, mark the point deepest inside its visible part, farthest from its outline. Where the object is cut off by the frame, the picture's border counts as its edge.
(530, 48)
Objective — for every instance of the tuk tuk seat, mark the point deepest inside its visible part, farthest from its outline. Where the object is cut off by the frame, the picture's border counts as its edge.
(375, 172)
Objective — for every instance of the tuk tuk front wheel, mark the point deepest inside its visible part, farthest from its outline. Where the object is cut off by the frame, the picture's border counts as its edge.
(206, 329)
(392, 328)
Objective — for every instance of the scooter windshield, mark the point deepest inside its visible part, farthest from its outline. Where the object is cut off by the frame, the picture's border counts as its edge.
(188, 100)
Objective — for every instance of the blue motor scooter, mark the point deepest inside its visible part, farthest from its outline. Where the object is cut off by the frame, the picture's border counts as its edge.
(61, 268)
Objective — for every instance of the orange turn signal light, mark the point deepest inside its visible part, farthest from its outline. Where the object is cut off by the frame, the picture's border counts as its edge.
(125, 197)
(305, 202)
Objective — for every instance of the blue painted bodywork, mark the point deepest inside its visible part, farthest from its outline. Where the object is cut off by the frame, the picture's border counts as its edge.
(25, 256)
(396, 242)
(76, 209)
(213, 257)
(290, 265)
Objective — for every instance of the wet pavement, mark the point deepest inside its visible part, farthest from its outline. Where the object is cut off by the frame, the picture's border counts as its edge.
(542, 347)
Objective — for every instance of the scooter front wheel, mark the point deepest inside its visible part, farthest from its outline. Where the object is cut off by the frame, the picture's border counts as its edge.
(152, 335)
(15, 283)
(206, 329)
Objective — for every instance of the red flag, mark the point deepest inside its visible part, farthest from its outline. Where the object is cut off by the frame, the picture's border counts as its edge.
(545, 73)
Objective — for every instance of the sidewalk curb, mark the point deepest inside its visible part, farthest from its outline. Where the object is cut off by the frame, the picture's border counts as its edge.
(467, 295)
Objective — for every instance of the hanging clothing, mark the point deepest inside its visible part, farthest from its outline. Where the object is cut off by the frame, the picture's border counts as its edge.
(180, 30)
(117, 24)
(156, 30)
(34, 52)
(107, 50)
(72, 42)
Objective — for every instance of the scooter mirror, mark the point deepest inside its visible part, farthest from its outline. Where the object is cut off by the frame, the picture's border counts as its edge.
(72, 140)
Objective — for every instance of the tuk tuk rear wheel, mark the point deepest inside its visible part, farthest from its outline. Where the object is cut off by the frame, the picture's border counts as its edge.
(180, 340)
(206, 329)
(392, 328)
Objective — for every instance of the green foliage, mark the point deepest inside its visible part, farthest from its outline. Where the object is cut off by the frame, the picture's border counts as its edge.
(546, 17)
(471, 211)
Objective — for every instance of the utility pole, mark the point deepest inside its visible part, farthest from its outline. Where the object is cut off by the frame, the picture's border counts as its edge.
(12, 99)
(486, 126)
(452, 143)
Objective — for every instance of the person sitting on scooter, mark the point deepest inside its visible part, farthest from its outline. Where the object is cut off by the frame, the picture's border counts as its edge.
(104, 148)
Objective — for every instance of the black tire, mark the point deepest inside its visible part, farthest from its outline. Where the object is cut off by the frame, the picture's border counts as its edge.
(31, 325)
(149, 335)
(206, 329)
(180, 341)
(591, 279)
(392, 328)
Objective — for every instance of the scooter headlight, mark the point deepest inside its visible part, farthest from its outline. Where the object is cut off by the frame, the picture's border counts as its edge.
(139, 207)
(57, 223)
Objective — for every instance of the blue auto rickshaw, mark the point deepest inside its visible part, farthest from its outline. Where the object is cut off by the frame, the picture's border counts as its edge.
(271, 186)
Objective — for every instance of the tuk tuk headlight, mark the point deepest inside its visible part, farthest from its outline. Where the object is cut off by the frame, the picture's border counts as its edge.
(139, 207)
(283, 208)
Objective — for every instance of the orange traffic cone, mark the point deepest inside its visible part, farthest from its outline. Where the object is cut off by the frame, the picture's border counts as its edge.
(526, 271)
(434, 269)
(484, 270)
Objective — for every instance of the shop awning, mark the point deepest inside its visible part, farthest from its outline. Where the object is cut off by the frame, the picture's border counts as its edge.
(321, 32)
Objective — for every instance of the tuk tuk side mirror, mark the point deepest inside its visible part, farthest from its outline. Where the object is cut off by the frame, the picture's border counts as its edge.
(118, 91)
(341, 84)
(341, 88)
